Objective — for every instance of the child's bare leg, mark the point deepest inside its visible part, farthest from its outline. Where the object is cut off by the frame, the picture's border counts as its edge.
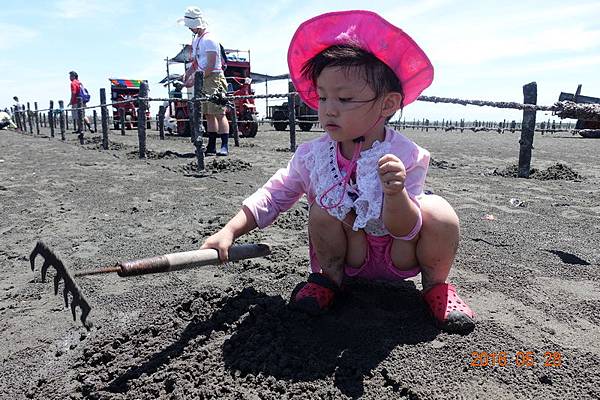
(438, 240)
(403, 254)
(356, 242)
(332, 243)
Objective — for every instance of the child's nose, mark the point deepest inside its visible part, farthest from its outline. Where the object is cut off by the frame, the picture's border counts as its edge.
(331, 108)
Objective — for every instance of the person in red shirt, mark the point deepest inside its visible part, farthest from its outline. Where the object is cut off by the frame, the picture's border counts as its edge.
(75, 89)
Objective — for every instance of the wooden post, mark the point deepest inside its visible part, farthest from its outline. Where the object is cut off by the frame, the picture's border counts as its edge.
(80, 126)
(122, 120)
(527, 130)
(37, 118)
(292, 120)
(23, 118)
(44, 120)
(29, 118)
(104, 119)
(196, 115)
(51, 118)
(234, 125)
(61, 116)
(67, 118)
(95, 117)
(161, 122)
(141, 119)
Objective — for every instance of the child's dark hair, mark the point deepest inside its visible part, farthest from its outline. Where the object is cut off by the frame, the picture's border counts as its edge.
(376, 73)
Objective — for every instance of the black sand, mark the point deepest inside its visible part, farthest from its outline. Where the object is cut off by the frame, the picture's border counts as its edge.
(528, 265)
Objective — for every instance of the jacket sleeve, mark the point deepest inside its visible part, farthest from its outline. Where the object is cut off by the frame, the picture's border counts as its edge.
(416, 173)
(280, 193)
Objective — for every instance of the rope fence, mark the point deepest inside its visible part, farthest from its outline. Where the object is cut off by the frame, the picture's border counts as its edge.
(28, 118)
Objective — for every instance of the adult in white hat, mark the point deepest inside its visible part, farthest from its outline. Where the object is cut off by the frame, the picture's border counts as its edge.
(206, 57)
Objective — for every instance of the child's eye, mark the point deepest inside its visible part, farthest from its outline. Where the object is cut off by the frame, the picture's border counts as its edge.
(322, 98)
(345, 99)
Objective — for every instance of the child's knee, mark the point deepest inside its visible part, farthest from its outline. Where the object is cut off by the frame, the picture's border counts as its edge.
(438, 215)
(320, 217)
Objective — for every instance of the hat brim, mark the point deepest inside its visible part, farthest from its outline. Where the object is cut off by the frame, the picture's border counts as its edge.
(370, 32)
(191, 23)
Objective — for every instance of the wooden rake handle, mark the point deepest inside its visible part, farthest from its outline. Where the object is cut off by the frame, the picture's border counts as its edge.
(188, 259)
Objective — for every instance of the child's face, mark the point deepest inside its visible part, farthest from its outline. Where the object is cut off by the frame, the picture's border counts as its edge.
(347, 105)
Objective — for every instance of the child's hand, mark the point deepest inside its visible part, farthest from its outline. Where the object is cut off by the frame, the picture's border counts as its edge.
(220, 241)
(392, 174)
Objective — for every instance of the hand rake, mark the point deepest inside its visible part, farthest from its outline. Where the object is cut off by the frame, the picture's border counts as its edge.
(163, 263)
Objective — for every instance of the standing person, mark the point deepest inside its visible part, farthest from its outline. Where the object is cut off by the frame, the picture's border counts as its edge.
(206, 57)
(364, 181)
(16, 109)
(75, 96)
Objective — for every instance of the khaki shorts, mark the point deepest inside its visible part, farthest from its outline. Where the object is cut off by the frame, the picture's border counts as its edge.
(214, 83)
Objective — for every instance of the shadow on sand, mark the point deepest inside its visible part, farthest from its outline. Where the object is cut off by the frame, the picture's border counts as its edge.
(268, 338)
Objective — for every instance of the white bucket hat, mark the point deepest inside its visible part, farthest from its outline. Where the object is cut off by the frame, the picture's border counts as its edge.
(193, 18)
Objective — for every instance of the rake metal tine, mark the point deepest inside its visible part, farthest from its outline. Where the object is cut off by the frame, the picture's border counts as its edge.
(56, 282)
(32, 256)
(73, 306)
(85, 310)
(45, 271)
(66, 296)
(77, 298)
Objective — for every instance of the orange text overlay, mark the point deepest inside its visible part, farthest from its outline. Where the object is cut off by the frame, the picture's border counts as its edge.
(521, 359)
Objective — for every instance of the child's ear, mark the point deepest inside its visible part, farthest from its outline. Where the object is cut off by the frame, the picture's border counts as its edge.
(391, 103)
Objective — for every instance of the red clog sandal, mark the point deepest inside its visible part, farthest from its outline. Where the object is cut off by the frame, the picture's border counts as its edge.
(450, 311)
(315, 296)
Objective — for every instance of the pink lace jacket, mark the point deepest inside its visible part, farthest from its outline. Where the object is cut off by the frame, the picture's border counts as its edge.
(313, 169)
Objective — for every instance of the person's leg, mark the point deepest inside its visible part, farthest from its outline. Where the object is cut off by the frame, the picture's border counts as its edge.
(438, 240)
(223, 124)
(333, 249)
(436, 248)
(403, 254)
(329, 242)
(211, 122)
(211, 131)
(223, 130)
(75, 118)
(86, 120)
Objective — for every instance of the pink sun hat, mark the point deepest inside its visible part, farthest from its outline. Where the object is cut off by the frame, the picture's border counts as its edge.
(368, 31)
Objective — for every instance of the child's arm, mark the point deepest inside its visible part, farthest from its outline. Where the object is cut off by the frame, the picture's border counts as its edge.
(242, 223)
(401, 216)
(280, 193)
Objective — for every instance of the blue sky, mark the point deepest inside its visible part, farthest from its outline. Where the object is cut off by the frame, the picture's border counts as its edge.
(480, 49)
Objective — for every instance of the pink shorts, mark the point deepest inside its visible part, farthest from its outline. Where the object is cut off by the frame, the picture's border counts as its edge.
(378, 262)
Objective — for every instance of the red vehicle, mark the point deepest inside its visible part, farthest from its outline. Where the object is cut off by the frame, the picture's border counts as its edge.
(238, 79)
(126, 89)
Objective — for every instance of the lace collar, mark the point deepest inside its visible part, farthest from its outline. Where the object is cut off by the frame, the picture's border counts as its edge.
(321, 161)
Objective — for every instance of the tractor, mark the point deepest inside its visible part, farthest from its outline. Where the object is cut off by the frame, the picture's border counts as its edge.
(591, 127)
(126, 89)
(238, 79)
(279, 115)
